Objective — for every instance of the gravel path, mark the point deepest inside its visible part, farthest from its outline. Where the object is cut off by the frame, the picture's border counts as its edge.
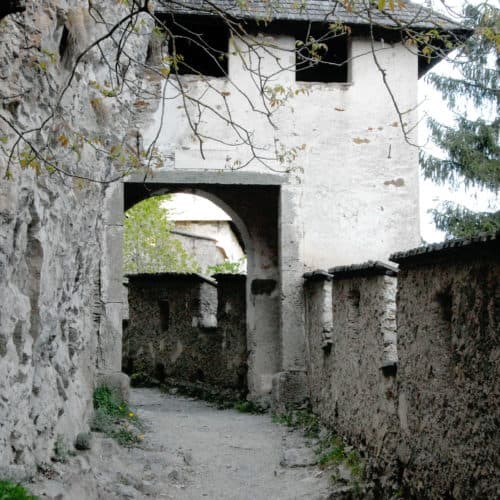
(192, 451)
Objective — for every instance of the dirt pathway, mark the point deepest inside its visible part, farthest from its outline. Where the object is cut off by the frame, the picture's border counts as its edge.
(192, 451)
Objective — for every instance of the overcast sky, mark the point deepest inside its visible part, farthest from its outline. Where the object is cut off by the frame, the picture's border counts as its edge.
(430, 194)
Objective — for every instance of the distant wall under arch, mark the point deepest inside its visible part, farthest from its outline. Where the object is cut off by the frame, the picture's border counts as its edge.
(254, 208)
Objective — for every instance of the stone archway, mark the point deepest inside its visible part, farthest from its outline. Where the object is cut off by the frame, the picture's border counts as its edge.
(252, 200)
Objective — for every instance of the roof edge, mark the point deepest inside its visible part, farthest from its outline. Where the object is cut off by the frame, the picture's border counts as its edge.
(369, 268)
(484, 240)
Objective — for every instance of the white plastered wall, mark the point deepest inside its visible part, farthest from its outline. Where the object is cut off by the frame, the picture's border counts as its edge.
(352, 194)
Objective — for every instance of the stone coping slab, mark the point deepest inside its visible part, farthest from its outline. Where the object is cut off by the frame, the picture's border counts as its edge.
(461, 246)
(164, 276)
(369, 268)
(318, 275)
(234, 276)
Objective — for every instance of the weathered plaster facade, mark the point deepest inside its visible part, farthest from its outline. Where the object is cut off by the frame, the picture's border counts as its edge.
(200, 216)
(202, 248)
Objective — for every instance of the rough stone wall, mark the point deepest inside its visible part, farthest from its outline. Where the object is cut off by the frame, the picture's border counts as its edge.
(432, 425)
(231, 326)
(448, 326)
(347, 324)
(189, 345)
(51, 225)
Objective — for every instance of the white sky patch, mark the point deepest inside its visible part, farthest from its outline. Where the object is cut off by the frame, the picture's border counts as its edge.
(431, 194)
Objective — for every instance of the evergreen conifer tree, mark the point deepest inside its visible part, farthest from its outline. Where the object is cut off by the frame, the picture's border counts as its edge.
(472, 144)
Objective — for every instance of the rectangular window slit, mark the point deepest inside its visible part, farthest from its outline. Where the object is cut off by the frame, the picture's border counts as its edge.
(164, 314)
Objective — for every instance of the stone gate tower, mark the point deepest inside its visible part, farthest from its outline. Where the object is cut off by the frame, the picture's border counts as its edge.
(311, 156)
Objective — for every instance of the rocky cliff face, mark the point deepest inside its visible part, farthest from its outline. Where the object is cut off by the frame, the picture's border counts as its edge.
(52, 203)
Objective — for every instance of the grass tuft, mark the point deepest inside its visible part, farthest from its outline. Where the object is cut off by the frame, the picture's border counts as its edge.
(303, 420)
(12, 491)
(330, 448)
(249, 407)
(114, 417)
(61, 450)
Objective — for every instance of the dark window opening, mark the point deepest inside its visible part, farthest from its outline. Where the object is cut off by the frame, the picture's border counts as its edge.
(63, 44)
(198, 49)
(445, 302)
(164, 314)
(354, 297)
(199, 376)
(390, 371)
(322, 56)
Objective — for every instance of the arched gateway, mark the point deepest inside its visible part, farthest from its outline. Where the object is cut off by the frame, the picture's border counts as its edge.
(349, 188)
(254, 202)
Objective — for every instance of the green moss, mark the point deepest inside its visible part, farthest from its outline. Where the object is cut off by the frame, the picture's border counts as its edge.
(12, 491)
(332, 451)
(126, 436)
(249, 407)
(334, 454)
(61, 450)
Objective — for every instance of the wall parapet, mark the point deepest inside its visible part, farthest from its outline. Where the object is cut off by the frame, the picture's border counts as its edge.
(351, 351)
(431, 422)
(186, 328)
(448, 324)
(369, 268)
(450, 248)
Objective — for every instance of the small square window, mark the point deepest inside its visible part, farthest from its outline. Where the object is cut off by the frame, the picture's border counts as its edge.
(322, 57)
(198, 48)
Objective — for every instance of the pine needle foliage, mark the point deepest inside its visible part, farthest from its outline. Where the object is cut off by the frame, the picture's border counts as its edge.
(472, 144)
(463, 223)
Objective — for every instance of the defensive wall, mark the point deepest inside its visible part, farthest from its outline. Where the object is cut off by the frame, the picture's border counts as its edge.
(187, 328)
(428, 411)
